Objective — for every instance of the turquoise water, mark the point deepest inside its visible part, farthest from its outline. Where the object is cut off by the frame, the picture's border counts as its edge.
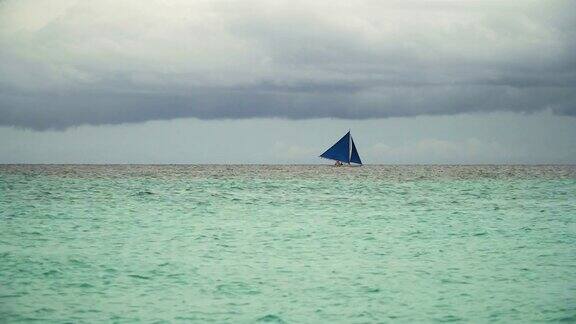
(300, 244)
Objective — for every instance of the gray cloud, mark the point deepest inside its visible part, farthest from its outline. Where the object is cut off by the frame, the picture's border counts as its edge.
(65, 63)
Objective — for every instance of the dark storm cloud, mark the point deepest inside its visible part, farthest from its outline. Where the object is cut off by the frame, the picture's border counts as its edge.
(71, 63)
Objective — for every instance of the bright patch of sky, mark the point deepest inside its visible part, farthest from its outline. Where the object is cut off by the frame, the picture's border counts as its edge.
(468, 139)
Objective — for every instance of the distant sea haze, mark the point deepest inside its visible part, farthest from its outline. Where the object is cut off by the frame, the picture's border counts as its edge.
(287, 243)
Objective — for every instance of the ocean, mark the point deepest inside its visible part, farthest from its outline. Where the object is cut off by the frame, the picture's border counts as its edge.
(287, 244)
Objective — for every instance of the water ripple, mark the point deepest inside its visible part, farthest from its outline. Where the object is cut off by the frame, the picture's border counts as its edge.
(287, 244)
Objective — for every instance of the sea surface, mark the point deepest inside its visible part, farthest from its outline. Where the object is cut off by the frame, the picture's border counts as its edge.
(287, 244)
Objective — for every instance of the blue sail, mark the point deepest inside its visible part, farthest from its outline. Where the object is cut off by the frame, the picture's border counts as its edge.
(339, 151)
(354, 157)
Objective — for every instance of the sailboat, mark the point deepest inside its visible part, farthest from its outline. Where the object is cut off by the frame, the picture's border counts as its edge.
(344, 151)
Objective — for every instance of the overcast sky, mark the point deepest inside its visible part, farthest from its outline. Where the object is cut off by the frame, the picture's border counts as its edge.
(124, 81)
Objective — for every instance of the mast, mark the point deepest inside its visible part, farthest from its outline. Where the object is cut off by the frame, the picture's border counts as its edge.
(349, 146)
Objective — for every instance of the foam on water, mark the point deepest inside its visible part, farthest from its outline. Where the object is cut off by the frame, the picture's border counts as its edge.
(287, 243)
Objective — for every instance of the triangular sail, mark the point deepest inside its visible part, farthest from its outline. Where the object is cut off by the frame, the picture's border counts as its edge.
(339, 151)
(354, 157)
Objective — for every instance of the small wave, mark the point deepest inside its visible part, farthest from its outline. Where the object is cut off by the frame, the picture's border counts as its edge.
(449, 318)
(145, 193)
(51, 273)
(139, 276)
(270, 318)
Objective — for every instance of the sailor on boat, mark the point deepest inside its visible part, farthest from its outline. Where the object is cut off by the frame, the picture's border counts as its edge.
(344, 151)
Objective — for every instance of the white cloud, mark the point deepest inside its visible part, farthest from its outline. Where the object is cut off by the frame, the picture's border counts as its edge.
(291, 152)
(434, 150)
(295, 59)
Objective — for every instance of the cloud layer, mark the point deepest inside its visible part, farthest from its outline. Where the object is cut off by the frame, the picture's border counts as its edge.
(65, 62)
